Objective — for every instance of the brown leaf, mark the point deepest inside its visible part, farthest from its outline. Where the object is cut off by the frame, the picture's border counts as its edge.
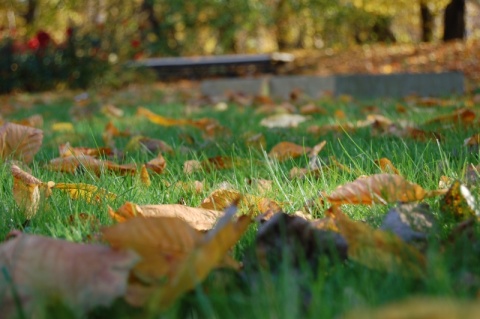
(40, 268)
(70, 164)
(285, 150)
(157, 164)
(66, 150)
(378, 249)
(192, 166)
(463, 116)
(198, 218)
(378, 188)
(19, 142)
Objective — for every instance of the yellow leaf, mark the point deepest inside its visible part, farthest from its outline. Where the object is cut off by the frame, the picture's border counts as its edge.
(63, 127)
(208, 255)
(88, 192)
(160, 120)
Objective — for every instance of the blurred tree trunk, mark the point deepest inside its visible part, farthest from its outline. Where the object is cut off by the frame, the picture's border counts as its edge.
(29, 16)
(454, 21)
(283, 24)
(427, 22)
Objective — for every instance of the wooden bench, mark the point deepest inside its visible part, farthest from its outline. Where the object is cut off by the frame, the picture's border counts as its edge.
(219, 65)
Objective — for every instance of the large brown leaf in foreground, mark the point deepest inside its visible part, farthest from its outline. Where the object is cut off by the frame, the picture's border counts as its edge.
(421, 308)
(198, 218)
(379, 188)
(81, 276)
(378, 249)
(19, 142)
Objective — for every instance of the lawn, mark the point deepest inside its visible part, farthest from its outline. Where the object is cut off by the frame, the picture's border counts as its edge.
(292, 267)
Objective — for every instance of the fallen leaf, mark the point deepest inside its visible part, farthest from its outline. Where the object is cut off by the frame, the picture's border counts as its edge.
(90, 193)
(220, 199)
(37, 268)
(378, 249)
(459, 202)
(283, 120)
(157, 164)
(208, 255)
(198, 218)
(285, 150)
(144, 177)
(386, 166)
(19, 142)
(64, 127)
(71, 164)
(26, 191)
(463, 116)
(378, 188)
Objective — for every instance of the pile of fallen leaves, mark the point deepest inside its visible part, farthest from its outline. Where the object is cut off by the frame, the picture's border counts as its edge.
(155, 253)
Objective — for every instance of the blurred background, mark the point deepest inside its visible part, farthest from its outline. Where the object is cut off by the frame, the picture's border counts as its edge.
(48, 44)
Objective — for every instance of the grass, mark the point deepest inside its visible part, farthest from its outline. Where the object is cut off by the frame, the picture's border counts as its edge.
(329, 289)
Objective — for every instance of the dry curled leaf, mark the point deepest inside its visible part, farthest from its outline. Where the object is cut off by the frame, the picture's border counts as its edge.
(28, 191)
(157, 164)
(285, 150)
(198, 218)
(79, 275)
(19, 142)
(378, 188)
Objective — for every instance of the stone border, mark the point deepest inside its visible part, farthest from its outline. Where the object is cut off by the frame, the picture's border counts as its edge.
(359, 86)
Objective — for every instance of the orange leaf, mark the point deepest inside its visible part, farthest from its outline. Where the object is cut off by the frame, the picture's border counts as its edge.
(160, 120)
(41, 268)
(463, 116)
(286, 150)
(379, 188)
(19, 142)
(378, 249)
(70, 164)
(386, 166)
(198, 218)
(144, 177)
